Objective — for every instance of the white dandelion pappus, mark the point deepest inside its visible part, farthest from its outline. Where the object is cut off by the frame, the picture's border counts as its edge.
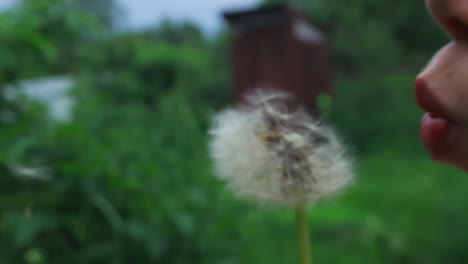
(273, 155)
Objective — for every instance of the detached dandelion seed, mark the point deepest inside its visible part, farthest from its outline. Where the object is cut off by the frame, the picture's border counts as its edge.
(272, 155)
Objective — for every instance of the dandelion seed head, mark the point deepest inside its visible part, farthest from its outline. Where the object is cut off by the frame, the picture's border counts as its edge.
(271, 154)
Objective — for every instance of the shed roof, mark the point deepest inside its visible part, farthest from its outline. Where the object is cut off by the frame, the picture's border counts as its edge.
(275, 14)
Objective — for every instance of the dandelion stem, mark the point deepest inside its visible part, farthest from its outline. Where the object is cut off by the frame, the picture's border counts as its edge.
(303, 234)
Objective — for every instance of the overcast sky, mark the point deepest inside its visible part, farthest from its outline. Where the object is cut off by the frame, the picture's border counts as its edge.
(206, 13)
(5, 3)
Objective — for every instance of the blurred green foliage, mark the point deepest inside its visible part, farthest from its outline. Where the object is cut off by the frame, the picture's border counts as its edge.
(131, 180)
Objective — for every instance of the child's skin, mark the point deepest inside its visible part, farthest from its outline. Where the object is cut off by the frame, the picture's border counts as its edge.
(442, 88)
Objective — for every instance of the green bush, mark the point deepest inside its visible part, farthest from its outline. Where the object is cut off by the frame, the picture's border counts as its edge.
(128, 179)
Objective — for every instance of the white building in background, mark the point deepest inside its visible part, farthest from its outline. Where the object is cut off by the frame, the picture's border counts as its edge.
(53, 91)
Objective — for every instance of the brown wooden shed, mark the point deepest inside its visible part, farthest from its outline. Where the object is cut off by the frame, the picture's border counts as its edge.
(278, 47)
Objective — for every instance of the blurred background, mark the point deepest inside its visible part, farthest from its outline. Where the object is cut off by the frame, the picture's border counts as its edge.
(105, 107)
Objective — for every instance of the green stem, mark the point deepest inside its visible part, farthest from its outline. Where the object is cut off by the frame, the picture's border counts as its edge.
(303, 235)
